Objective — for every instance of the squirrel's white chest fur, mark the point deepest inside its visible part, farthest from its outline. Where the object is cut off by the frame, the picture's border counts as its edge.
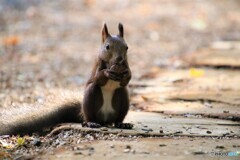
(107, 92)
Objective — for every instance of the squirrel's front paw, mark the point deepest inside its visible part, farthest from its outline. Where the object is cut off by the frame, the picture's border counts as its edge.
(111, 75)
(124, 125)
(91, 125)
(126, 74)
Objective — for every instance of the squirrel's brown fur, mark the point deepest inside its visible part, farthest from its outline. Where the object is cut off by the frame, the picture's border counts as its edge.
(106, 99)
(28, 119)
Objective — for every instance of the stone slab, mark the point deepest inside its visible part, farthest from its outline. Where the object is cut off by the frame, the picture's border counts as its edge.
(149, 124)
(150, 148)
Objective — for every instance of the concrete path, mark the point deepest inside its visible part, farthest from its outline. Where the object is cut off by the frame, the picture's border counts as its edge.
(184, 113)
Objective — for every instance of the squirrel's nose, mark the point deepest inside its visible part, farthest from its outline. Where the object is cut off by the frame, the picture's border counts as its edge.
(119, 59)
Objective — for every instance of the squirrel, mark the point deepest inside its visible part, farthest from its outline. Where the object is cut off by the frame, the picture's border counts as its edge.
(105, 100)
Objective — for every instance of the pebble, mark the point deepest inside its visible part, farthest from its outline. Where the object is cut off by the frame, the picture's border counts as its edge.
(147, 129)
(77, 152)
(91, 149)
(127, 150)
(198, 152)
(128, 147)
(162, 145)
(112, 146)
(36, 142)
(220, 147)
(81, 148)
(235, 146)
(104, 129)
(178, 132)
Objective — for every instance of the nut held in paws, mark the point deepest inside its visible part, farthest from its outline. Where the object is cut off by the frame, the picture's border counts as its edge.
(118, 69)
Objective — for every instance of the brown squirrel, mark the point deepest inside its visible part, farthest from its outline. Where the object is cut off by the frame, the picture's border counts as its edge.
(105, 102)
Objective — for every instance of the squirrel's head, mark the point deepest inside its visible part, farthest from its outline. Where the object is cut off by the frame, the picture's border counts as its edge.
(114, 48)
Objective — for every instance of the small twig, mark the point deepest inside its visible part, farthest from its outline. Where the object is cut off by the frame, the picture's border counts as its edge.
(64, 127)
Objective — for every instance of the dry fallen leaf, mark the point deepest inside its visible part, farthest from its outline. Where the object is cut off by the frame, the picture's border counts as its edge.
(5, 155)
(145, 98)
(11, 40)
(6, 145)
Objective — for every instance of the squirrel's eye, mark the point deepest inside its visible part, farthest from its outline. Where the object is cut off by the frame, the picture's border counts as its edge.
(127, 48)
(107, 47)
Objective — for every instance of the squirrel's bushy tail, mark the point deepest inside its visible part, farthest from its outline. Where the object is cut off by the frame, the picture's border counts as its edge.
(28, 119)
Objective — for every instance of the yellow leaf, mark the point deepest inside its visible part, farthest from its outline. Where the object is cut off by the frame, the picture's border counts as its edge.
(196, 72)
(20, 141)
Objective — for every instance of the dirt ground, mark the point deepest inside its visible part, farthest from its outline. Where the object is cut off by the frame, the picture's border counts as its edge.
(51, 45)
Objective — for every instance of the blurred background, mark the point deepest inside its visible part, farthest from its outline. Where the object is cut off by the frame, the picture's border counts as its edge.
(51, 44)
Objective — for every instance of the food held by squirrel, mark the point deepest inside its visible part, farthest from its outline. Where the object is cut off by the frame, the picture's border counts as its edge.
(119, 70)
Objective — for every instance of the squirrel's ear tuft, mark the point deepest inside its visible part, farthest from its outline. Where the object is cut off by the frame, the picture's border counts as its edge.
(121, 31)
(105, 33)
